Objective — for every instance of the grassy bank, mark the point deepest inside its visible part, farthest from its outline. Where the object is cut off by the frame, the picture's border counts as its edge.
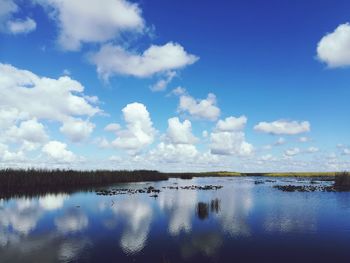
(285, 174)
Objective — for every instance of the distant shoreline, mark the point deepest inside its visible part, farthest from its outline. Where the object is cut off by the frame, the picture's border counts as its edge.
(37, 182)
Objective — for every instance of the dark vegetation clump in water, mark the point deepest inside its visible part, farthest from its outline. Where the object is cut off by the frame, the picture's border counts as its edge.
(304, 188)
(195, 187)
(153, 191)
(341, 184)
(123, 191)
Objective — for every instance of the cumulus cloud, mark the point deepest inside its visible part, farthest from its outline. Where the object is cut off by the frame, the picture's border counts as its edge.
(229, 139)
(77, 130)
(139, 131)
(202, 109)
(283, 127)
(9, 116)
(57, 151)
(26, 96)
(8, 156)
(232, 124)
(292, 152)
(101, 142)
(334, 48)
(280, 141)
(162, 84)
(8, 8)
(180, 133)
(21, 26)
(29, 130)
(346, 151)
(174, 153)
(112, 127)
(267, 157)
(112, 59)
(17, 129)
(303, 139)
(96, 22)
(230, 143)
(312, 149)
(178, 91)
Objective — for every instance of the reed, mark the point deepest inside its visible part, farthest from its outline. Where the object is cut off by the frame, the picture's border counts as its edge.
(18, 182)
(342, 181)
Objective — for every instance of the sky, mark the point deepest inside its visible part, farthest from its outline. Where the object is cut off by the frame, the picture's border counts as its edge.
(248, 86)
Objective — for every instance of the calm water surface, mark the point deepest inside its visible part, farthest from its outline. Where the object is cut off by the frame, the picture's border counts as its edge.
(242, 222)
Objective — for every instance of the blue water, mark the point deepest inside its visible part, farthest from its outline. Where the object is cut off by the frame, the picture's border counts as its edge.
(242, 222)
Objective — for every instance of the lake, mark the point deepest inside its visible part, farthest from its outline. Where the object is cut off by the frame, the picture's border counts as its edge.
(244, 221)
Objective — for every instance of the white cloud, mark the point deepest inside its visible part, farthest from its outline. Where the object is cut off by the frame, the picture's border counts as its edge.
(228, 137)
(283, 127)
(162, 84)
(29, 130)
(230, 143)
(98, 21)
(6, 155)
(8, 8)
(280, 141)
(173, 153)
(334, 48)
(205, 134)
(18, 131)
(112, 59)
(139, 130)
(21, 26)
(304, 139)
(232, 124)
(26, 96)
(202, 109)
(102, 142)
(77, 130)
(312, 149)
(66, 72)
(9, 116)
(115, 158)
(112, 127)
(180, 133)
(267, 157)
(292, 152)
(178, 91)
(346, 151)
(57, 151)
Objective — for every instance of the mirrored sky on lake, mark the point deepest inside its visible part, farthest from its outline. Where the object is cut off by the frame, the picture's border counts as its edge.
(242, 220)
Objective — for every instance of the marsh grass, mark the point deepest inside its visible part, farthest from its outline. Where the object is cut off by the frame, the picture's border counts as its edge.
(303, 174)
(342, 181)
(31, 182)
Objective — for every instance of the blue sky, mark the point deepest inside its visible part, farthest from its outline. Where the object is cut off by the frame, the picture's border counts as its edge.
(175, 85)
